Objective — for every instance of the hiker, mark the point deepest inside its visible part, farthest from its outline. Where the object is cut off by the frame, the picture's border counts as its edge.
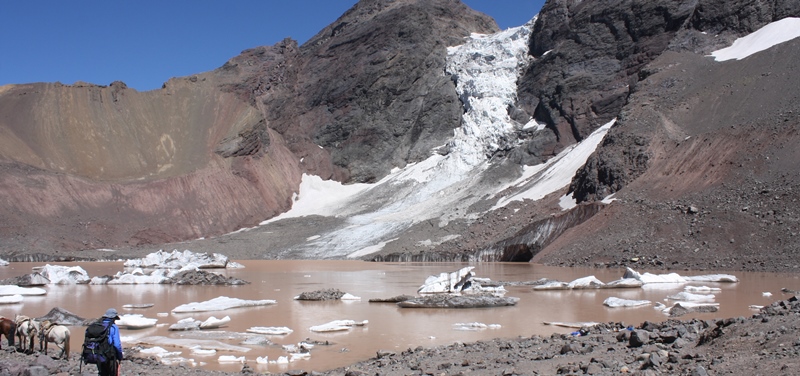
(111, 366)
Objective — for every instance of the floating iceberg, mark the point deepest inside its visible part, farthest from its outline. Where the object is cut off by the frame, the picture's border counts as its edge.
(699, 289)
(11, 299)
(270, 330)
(135, 321)
(471, 326)
(192, 324)
(460, 281)
(220, 304)
(589, 282)
(134, 277)
(337, 325)
(230, 359)
(179, 260)
(16, 290)
(3, 262)
(553, 285)
(63, 275)
(677, 278)
(690, 297)
(189, 343)
(203, 352)
(614, 302)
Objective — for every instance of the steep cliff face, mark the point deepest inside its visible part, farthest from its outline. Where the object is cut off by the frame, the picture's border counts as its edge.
(87, 166)
(369, 89)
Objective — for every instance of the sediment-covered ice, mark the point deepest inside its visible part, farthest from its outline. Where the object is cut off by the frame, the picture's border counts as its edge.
(220, 303)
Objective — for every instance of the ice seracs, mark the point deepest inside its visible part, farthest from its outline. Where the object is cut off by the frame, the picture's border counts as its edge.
(460, 281)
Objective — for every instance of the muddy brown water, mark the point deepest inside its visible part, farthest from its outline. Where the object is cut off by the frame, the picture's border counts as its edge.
(389, 327)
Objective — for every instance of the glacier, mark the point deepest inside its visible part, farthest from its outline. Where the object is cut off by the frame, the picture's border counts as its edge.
(446, 186)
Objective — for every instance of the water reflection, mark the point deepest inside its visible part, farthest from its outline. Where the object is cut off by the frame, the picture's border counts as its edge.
(390, 327)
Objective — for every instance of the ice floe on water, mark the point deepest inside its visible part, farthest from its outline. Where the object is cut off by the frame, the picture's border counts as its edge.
(614, 302)
(472, 326)
(6, 290)
(11, 299)
(647, 278)
(189, 343)
(337, 326)
(691, 297)
(270, 330)
(220, 303)
(135, 321)
(3, 262)
(180, 260)
(460, 281)
(192, 324)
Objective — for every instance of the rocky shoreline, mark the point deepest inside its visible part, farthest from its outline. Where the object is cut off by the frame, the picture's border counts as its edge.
(768, 342)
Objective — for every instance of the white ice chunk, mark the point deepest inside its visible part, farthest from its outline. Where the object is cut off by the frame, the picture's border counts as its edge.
(178, 260)
(270, 330)
(10, 299)
(63, 275)
(230, 359)
(135, 321)
(446, 282)
(553, 285)
(214, 323)
(590, 282)
(615, 302)
(16, 290)
(702, 289)
(220, 304)
(690, 297)
(189, 343)
(203, 352)
(337, 325)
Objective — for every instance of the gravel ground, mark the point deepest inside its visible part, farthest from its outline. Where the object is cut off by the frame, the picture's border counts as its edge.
(767, 343)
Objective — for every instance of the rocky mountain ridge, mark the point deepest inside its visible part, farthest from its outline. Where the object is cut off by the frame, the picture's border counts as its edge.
(699, 159)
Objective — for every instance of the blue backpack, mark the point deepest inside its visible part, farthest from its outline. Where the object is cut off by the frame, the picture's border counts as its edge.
(96, 348)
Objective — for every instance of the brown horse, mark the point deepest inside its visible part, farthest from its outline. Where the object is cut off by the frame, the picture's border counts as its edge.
(8, 328)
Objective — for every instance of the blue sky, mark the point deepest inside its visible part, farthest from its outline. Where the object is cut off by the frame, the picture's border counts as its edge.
(146, 42)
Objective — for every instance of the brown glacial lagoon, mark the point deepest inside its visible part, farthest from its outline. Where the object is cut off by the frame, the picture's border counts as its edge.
(387, 327)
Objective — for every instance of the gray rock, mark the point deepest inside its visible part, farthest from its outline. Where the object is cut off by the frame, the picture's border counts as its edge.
(639, 338)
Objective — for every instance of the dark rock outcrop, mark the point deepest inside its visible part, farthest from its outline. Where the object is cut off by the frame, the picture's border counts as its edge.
(327, 294)
(202, 277)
